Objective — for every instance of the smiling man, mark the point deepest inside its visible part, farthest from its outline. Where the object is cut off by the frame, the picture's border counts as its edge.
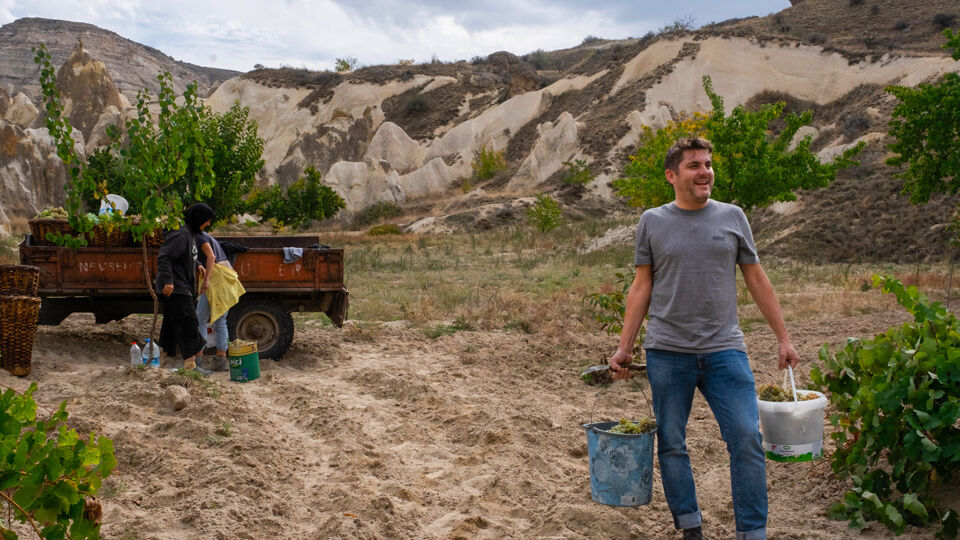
(687, 253)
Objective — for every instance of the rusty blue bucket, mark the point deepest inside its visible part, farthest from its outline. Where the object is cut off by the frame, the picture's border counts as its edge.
(621, 465)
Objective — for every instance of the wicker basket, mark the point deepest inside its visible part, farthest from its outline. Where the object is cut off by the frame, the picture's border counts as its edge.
(40, 227)
(18, 327)
(100, 237)
(17, 279)
(155, 239)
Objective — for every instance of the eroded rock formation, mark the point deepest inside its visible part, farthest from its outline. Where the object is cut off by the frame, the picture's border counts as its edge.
(87, 90)
(131, 65)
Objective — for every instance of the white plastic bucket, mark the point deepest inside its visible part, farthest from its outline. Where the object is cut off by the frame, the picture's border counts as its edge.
(793, 430)
(119, 203)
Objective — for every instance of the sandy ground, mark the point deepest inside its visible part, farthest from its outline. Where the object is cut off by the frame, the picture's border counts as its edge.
(384, 433)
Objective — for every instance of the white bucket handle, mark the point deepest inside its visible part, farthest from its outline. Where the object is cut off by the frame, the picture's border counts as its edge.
(793, 385)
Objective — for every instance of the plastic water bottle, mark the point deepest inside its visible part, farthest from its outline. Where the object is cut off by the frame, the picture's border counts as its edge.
(135, 358)
(151, 354)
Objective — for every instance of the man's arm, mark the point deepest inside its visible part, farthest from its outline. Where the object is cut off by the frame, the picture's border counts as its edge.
(762, 292)
(638, 302)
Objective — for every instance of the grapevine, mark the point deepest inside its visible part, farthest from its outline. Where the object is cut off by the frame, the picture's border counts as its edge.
(898, 404)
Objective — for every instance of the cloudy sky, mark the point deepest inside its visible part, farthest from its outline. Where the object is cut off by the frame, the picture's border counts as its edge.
(237, 34)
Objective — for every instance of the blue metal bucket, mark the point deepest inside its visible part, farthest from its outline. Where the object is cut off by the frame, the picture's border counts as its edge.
(621, 465)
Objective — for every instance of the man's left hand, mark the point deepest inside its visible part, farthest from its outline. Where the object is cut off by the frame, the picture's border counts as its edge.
(788, 355)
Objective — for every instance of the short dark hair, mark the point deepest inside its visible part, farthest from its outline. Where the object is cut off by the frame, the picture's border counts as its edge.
(675, 153)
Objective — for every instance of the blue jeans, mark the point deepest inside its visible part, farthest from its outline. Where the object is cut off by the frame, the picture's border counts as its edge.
(219, 325)
(726, 381)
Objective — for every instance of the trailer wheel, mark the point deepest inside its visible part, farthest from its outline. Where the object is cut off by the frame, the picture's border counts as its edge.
(263, 319)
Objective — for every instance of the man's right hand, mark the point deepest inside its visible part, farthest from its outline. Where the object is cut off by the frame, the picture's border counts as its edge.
(618, 362)
(168, 289)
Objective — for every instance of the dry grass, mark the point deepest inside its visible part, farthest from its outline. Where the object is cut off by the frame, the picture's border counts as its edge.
(518, 279)
(513, 278)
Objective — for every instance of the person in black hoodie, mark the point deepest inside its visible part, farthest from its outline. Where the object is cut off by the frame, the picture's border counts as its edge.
(177, 286)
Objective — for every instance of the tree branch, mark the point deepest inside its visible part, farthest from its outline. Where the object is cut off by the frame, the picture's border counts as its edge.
(22, 511)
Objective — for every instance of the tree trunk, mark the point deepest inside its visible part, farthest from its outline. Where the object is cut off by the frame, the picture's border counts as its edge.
(153, 293)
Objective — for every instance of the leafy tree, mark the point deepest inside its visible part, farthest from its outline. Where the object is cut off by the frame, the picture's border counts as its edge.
(62, 133)
(49, 475)
(306, 200)
(644, 183)
(751, 167)
(545, 214)
(926, 126)
(897, 399)
(104, 169)
(156, 151)
(236, 153)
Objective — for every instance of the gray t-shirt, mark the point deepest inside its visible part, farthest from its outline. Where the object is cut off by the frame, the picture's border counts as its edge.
(694, 254)
(203, 237)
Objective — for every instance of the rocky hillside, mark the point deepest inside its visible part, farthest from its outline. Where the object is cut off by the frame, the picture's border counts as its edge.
(133, 66)
(406, 135)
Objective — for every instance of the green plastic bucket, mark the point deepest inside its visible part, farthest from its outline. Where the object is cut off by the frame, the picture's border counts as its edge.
(244, 361)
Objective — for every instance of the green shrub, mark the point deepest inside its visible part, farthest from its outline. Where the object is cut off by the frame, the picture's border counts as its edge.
(487, 162)
(545, 214)
(346, 64)
(375, 213)
(48, 473)
(608, 309)
(418, 103)
(680, 24)
(539, 59)
(854, 123)
(897, 398)
(817, 38)
(306, 200)
(386, 228)
(901, 25)
(579, 173)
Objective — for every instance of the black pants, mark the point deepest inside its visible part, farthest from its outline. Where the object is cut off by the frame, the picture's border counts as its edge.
(179, 328)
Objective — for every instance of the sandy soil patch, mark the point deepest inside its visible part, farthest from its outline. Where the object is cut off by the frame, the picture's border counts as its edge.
(381, 432)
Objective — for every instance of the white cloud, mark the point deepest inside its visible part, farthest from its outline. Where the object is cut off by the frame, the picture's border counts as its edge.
(237, 34)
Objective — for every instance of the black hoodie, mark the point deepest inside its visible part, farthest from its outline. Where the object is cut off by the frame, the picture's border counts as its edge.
(177, 259)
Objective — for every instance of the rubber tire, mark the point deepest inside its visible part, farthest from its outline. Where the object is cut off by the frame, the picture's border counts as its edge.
(271, 315)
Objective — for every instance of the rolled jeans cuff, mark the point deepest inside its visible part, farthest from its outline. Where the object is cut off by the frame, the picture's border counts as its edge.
(691, 520)
(756, 534)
